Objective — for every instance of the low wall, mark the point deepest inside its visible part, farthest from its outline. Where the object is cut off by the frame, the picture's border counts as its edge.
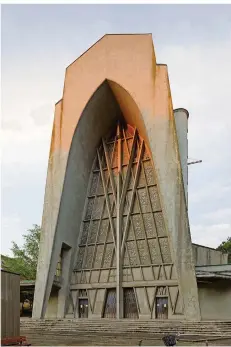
(208, 256)
(215, 300)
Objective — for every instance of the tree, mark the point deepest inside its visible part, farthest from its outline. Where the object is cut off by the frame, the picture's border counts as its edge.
(25, 258)
(225, 247)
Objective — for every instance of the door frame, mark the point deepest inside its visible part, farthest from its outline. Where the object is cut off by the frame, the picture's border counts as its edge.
(84, 299)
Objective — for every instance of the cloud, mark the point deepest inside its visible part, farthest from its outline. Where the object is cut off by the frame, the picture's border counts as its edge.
(222, 215)
(210, 235)
(212, 189)
(9, 223)
(32, 81)
(27, 147)
(42, 115)
(200, 79)
(11, 125)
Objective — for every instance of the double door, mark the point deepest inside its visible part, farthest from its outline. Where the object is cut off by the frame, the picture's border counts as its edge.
(130, 306)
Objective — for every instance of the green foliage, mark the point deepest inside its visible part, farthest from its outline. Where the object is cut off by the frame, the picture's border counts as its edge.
(25, 258)
(225, 247)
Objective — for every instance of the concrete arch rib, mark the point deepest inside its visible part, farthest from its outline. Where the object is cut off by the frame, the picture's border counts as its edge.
(109, 103)
(129, 108)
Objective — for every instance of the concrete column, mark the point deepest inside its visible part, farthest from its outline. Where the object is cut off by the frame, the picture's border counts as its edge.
(181, 120)
(119, 270)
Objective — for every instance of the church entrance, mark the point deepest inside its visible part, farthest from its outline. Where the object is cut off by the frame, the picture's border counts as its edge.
(162, 308)
(123, 235)
(110, 304)
(130, 307)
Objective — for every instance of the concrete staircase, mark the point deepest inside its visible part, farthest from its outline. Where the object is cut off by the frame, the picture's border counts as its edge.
(118, 332)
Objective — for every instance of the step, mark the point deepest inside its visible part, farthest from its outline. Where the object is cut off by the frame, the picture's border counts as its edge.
(104, 328)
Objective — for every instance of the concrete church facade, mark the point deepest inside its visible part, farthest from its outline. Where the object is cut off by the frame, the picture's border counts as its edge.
(115, 237)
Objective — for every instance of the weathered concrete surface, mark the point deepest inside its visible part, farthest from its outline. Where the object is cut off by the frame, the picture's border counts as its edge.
(165, 152)
(101, 113)
(142, 91)
(208, 256)
(181, 121)
(215, 300)
(52, 306)
(54, 184)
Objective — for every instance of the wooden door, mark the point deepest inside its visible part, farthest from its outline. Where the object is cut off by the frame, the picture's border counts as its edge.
(130, 306)
(110, 304)
(83, 308)
(161, 308)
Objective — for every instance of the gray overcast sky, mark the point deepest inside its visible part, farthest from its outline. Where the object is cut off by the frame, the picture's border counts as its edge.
(40, 41)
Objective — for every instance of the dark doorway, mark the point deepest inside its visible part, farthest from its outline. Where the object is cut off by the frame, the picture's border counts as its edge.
(130, 307)
(162, 308)
(110, 304)
(83, 308)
